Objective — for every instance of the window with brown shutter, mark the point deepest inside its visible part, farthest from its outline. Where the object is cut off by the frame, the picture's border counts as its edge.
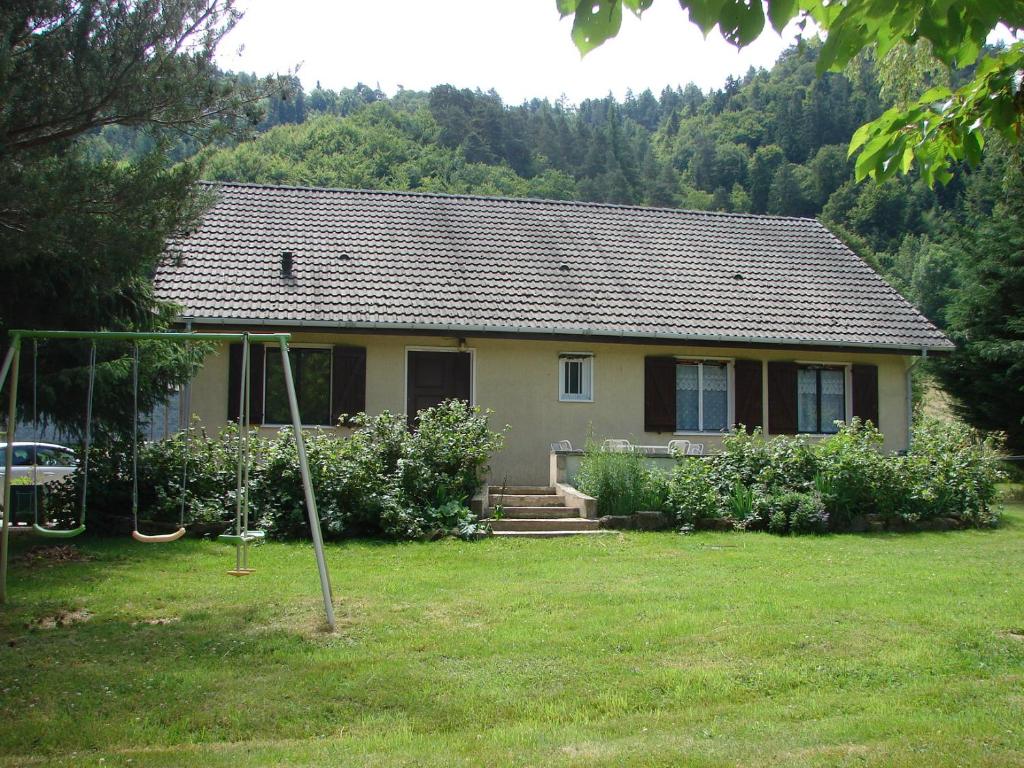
(749, 393)
(659, 394)
(865, 392)
(782, 413)
(348, 382)
(328, 382)
(257, 354)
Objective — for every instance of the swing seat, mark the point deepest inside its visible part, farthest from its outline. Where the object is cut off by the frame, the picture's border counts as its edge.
(58, 533)
(158, 538)
(241, 539)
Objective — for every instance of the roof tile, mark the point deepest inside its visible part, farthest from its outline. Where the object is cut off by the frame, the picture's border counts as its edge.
(470, 263)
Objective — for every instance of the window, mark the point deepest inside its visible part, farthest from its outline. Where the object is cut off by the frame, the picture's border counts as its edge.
(821, 399)
(702, 396)
(47, 456)
(311, 371)
(576, 378)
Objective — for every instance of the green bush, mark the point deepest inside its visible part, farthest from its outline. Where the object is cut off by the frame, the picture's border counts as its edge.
(209, 496)
(794, 512)
(622, 481)
(693, 493)
(379, 481)
(787, 485)
(951, 471)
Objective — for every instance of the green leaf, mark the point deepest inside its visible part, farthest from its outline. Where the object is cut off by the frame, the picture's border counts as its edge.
(637, 6)
(565, 7)
(860, 136)
(704, 13)
(780, 12)
(741, 23)
(596, 21)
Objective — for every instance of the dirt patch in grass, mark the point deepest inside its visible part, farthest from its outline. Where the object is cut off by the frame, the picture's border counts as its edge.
(48, 556)
(158, 622)
(60, 619)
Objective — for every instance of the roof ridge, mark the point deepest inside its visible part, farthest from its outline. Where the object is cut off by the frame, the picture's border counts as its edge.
(502, 198)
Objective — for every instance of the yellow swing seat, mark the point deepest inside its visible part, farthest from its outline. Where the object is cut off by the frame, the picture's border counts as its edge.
(158, 538)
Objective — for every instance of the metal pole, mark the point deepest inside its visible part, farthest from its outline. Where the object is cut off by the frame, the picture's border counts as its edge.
(148, 336)
(307, 486)
(12, 421)
(6, 366)
(243, 391)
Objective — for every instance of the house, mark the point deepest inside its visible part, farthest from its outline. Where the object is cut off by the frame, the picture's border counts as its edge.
(567, 319)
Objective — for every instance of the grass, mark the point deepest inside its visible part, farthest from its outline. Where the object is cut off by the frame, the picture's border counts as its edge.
(638, 649)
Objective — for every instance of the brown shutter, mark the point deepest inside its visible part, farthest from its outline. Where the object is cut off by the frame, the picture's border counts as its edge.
(659, 394)
(257, 354)
(749, 395)
(348, 382)
(257, 379)
(865, 392)
(234, 380)
(463, 376)
(782, 398)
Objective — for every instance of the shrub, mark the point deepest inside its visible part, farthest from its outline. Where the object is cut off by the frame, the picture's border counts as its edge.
(787, 485)
(446, 457)
(855, 473)
(379, 481)
(209, 495)
(692, 493)
(622, 482)
(950, 471)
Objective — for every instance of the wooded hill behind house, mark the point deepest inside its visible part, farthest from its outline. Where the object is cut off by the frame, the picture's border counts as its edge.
(774, 141)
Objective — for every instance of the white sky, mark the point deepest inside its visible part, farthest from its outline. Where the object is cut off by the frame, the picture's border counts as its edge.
(519, 48)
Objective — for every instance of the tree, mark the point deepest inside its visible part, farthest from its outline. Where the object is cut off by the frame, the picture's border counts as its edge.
(986, 317)
(941, 128)
(80, 234)
(760, 173)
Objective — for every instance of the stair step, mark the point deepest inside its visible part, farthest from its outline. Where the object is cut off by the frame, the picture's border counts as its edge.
(544, 524)
(553, 534)
(522, 490)
(530, 513)
(527, 500)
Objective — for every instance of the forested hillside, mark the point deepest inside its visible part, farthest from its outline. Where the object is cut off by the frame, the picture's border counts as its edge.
(772, 142)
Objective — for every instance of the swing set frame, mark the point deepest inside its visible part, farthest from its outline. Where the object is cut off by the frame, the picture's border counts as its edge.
(9, 373)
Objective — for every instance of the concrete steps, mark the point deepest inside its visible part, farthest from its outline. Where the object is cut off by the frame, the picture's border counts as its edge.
(551, 534)
(544, 524)
(536, 511)
(509, 500)
(533, 513)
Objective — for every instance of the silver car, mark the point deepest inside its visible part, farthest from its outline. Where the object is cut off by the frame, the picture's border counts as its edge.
(51, 461)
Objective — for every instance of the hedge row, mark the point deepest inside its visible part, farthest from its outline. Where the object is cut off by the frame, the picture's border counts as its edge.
(790, 485)
(380, 481)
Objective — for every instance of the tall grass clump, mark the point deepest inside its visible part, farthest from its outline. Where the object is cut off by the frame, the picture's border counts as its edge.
(622, 482)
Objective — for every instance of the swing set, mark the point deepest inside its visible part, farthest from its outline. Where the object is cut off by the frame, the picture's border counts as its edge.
(243, 537)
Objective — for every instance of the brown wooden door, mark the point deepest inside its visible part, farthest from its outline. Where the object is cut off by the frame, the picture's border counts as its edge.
(434, 377)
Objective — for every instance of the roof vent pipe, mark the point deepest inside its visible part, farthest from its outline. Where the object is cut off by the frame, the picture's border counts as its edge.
(287, 262)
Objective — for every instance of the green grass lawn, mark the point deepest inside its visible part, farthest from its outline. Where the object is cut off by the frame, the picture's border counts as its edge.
(636, 649)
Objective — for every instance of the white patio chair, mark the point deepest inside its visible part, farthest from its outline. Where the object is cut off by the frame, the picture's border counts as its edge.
(616, 446)
(561, 445)
(695, 449)
(679, 447)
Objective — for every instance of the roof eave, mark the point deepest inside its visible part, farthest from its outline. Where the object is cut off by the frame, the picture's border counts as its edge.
(451, 329)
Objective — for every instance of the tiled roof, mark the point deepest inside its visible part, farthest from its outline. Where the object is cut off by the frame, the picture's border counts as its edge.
(368, 259)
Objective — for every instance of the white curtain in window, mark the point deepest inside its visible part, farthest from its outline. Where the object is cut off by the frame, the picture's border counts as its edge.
(687, 398)
(807, 400)
(716, 401)
(833, 399)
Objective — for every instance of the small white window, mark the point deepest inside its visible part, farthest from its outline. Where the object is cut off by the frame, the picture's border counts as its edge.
(576, 378)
